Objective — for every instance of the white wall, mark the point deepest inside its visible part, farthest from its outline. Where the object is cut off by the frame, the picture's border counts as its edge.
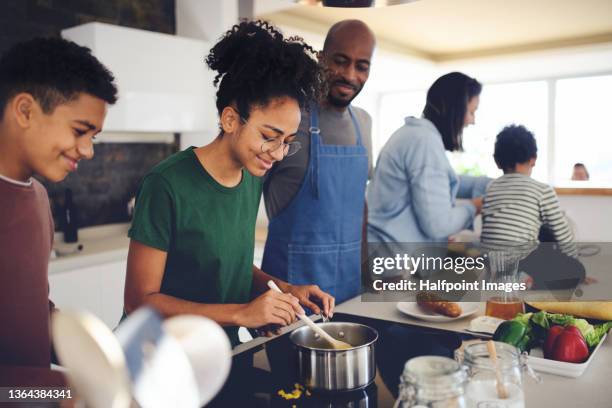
(204, 20)
(591, 216)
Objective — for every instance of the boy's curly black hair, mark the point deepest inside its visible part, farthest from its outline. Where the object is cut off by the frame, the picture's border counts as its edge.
(514, 145)
(255, 63)
(54, 71)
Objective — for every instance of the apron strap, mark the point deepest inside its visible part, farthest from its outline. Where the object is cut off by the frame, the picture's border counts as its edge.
(356, 124)
(315, 140)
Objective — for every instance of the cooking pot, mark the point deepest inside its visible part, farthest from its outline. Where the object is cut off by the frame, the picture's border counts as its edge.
(322, 368)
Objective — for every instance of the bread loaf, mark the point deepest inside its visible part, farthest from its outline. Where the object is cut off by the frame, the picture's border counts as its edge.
(589, 310)
(438, 305)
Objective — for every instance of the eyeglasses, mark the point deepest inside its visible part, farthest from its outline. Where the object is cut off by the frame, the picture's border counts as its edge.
(289, 149)
(272, 145)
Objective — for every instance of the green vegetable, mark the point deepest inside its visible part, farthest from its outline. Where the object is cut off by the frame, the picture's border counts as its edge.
(526, 342)
(523, 318)
(594, 336)
(585, 327)
(540, 322)
(541, 319)
(513, 332)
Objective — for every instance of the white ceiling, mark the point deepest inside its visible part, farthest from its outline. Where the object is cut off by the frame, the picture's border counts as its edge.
(443, 30)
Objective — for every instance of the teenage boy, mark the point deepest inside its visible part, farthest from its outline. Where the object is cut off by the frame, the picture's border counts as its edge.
(53, 99)
(519, 209)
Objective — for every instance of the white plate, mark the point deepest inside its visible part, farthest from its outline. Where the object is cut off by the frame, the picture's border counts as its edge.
(537, 361)
(414, 310)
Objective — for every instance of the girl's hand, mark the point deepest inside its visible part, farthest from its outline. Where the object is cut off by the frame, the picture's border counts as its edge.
(309, 294)
(269, 308)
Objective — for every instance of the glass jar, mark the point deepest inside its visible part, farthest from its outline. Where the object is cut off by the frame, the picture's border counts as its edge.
(433, 382)
(481, 388)
(504, 301)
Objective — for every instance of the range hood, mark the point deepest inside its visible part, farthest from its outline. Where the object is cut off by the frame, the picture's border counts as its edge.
(164, 83)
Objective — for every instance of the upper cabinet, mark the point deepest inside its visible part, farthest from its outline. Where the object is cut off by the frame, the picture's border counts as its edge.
(164, 83)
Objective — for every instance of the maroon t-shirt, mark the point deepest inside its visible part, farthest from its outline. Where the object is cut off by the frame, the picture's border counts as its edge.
(26, 239)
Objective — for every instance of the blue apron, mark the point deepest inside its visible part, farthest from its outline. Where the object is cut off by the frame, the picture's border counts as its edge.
(316, 239)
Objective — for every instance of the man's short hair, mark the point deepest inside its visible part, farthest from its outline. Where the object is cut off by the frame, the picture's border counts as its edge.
(53, 71)
(514, 145)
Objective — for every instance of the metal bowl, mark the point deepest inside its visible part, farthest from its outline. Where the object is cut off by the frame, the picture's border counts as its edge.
(325, 369)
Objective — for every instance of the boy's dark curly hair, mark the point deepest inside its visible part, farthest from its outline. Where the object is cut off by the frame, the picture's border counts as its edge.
(54, 71)
(514, 145)
(255, 63)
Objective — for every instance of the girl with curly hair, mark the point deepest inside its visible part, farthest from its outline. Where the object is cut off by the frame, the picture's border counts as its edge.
(193, 233)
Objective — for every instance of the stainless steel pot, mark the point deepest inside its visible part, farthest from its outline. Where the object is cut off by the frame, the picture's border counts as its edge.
(325, 369)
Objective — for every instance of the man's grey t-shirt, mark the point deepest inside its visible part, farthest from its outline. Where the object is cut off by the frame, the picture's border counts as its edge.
(283, 182)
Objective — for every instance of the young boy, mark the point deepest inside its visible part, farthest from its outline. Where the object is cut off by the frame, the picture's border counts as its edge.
(519, 209)
(53, 99)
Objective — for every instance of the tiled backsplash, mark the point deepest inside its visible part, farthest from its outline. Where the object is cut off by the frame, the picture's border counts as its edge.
(102, 186)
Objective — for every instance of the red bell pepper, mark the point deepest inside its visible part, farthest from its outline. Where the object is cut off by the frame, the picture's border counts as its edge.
(551, 337)
(566, 344)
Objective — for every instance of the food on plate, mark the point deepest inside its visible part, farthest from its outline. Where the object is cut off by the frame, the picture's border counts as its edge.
(513, 332)
(436, 304)
(566, 344)
(589, 310)
(562, 337)
(592, 334)
(551, 337)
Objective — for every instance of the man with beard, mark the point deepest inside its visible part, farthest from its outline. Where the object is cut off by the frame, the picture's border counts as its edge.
(315, 199)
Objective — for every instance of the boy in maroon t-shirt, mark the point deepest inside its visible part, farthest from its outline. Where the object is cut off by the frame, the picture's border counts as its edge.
(53, 99)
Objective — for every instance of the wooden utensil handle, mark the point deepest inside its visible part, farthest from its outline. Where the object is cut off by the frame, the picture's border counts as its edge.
(502, 393)
(305, 318)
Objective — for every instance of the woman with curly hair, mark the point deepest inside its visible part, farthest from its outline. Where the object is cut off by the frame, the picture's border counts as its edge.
(193, 233)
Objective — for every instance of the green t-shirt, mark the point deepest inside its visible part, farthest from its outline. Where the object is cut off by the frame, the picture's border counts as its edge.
(208, 230)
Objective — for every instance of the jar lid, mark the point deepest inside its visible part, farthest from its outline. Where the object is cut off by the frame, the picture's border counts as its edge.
(477, 354)
(433, 371)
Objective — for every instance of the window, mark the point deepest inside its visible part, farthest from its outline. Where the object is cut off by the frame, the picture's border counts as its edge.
(583, 130)
(522, 103)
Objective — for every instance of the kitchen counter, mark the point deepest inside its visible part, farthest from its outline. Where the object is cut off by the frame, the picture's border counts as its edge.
(110, 243)
(101, 244)
(401, 337)
(589, 390)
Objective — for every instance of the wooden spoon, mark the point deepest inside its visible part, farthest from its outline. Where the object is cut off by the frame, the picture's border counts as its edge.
(336, 344)
(502, 393)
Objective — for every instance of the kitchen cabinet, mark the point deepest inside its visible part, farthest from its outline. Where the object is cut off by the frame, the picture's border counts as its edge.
(97, 289)
(168, 89)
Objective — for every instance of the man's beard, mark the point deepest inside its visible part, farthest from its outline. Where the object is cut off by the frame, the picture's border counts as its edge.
(342, 103)
(339, 103)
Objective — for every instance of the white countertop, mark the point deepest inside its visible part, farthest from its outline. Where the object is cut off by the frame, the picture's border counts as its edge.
(109, 243)
(101, 244)
(590, 390)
